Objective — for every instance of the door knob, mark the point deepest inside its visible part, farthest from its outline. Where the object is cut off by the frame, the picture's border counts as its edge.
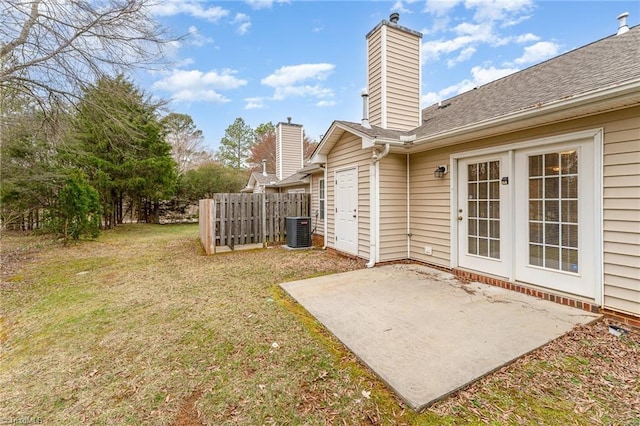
(459, 217)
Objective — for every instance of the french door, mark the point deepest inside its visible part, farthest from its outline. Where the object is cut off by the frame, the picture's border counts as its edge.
(533, 221)
(484, 222)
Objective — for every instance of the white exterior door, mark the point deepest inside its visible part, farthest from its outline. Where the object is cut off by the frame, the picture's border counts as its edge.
(542, 224)
(555, 217)
(346, 222)
(484, 220)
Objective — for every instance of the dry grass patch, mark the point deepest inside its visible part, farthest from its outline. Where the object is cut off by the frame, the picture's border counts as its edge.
(140, 328)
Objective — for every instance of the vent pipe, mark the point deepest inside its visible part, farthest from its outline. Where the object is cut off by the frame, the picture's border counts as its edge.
(622, 23)
(264, 167)
(365, 110)
(288, 120)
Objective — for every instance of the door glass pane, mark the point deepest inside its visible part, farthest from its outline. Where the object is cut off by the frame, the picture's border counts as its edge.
(553, 211)
(483, 204)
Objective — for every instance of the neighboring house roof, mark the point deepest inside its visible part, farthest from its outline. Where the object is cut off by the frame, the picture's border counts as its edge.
(271, 180)
(575, 83)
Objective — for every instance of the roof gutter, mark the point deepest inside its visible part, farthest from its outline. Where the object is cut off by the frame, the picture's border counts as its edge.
(374, 203)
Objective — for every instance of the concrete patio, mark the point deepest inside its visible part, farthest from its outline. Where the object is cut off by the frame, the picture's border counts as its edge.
(425, 333)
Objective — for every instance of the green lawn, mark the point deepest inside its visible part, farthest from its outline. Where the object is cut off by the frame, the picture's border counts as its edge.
(140, 328)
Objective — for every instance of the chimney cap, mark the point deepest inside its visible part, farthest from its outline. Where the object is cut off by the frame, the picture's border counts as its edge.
(288, 120)
(394, 17)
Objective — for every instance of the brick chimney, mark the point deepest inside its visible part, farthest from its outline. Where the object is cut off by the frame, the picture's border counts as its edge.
(289, 152)
(393, 75)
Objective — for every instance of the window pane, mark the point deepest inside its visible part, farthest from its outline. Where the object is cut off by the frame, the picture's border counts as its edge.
(494, 249)
(494, 190)
(570, 236)
(473, 208)
(494, 209)
(570, 211)
(551, 187)
(552, 211)
(552, 234)
(535, 165)
(473, 191)
(570, 187)
(494, 170)
(482, 209)
(535, 188)
(535, 210)
(551, 166)
(473, 227)
(494, 228)
(570, 260)
(535, 255)
(535, 232)
(552, 257)
(569, 162)
(472, 169)
(483, 230)
(483, 171)
(483, 247)
(473, 245)
(482, 191)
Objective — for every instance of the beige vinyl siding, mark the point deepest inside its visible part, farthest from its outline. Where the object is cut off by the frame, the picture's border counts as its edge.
(403, 79)
(345, 154)
(621, 199)
(374, 77)
(430, 204)
(315, 203)
(430, 200)
(393, 208)
(288, 150)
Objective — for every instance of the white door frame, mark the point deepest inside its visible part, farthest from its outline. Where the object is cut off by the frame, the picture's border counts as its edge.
(596, 135)
(356, 213)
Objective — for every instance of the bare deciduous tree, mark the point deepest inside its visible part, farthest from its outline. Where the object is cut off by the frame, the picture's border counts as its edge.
(54, 48)
(187, 142)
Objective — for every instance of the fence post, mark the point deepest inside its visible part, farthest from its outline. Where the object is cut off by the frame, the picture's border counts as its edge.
(214, 216)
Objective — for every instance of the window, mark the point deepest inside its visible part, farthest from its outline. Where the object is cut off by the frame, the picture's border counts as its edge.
(321, 197)
(553, 210)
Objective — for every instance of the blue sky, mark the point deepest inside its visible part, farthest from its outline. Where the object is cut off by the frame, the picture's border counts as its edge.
(266, 60)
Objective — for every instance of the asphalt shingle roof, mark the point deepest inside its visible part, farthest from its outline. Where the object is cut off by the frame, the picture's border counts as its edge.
(601, 64)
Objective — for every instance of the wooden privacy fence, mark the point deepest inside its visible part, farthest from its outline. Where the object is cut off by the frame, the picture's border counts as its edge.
(239, 219)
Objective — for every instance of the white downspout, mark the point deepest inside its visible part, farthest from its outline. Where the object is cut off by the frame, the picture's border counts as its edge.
(374, 205)
(408, 207)
(326, 211)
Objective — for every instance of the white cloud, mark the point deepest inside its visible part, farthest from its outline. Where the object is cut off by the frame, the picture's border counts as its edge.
(289, 75)
(317, 26)
(483, 29)
(254, 103)
(196, 38)
(264, 4)
(464, 55)
(479, 76)
(298, 81)
(440, 7)
(243, 21)
(195, 85)
(538, 52)
(323, 104)
(192, 8)
(526, 38)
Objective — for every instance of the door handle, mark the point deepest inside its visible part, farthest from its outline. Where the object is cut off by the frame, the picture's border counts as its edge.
(460, 218)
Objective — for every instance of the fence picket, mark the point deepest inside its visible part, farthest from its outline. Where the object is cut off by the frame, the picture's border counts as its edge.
(236, 219)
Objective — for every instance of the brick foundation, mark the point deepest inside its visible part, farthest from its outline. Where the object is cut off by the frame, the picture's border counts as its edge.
(541, 294)
(623, 318)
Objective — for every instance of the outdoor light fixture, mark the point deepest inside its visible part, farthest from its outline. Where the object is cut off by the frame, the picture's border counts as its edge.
(440, 172)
